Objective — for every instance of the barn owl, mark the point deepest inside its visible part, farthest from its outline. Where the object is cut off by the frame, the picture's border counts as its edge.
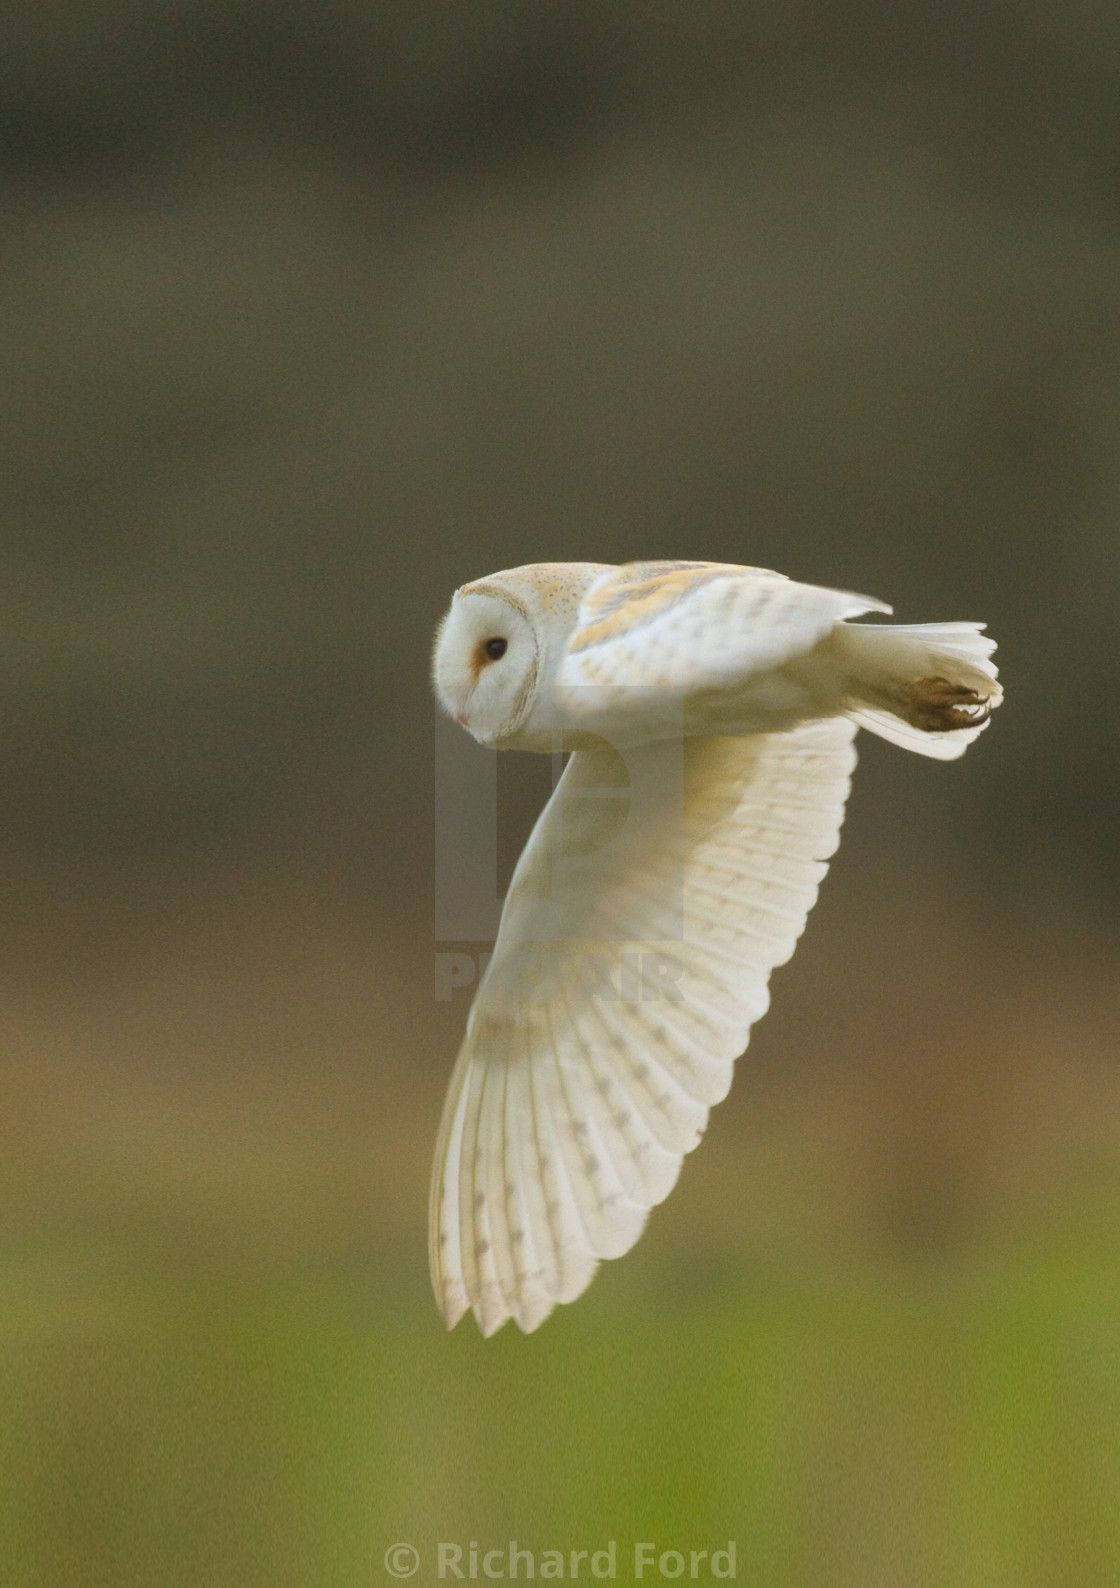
(710, 712)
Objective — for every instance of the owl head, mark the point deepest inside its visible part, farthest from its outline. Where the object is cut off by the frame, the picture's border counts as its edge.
(487, 659)
(499, 642)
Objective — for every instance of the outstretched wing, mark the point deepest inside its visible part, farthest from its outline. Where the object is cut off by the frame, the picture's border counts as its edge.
(652, 901)
(689, 627)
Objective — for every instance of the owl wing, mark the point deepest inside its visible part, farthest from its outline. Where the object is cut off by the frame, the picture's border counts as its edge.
(690, 627)
(636, 943)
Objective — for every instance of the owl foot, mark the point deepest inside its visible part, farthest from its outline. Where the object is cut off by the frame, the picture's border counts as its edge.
(937, 706)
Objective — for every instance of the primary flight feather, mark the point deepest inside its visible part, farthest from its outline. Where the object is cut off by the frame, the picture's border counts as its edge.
(711, 710)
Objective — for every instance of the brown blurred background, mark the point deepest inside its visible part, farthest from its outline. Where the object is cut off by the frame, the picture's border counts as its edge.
(311, 313)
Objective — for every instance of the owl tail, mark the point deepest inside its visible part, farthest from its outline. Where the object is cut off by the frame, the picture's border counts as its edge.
(928, 687)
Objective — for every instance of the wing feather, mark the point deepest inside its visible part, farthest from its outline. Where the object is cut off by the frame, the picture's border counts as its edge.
(497, 1190)
(530, 1148)
(621, 1080)
(647, 1169)
(573, 1102)
(689, 628)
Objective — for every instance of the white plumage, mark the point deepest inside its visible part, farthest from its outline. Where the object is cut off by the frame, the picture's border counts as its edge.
(711, 709)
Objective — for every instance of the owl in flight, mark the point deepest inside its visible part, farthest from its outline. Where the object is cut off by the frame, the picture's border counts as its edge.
(710, 710)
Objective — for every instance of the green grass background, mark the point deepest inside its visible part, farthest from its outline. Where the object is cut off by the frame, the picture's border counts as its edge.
(929, 1422)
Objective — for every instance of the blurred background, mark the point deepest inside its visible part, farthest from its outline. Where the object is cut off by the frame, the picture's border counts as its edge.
(310, 314)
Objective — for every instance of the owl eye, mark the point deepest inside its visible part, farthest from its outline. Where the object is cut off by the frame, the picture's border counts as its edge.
(495, 649)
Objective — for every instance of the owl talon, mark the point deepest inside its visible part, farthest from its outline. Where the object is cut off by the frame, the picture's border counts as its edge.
(937, 706)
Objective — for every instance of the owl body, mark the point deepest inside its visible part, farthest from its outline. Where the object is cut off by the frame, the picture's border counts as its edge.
(711, 709)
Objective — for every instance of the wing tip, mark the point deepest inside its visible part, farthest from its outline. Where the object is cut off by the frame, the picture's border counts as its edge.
(490, 1315)
(451, 1299)
(532, 1312)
